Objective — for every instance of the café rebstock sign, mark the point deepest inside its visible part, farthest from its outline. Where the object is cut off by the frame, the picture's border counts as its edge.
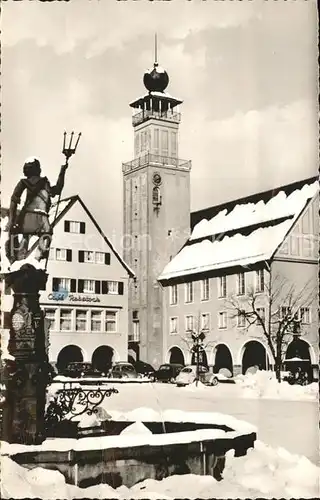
(72, 297)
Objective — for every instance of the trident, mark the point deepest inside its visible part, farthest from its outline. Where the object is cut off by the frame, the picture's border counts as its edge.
(68, 151)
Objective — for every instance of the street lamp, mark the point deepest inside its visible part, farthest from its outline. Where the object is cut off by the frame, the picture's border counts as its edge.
(197, 349)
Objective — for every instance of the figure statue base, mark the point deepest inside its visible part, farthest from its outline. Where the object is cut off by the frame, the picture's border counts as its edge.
(26, 376)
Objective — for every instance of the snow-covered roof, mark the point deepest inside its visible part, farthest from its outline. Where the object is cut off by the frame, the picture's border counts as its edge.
(237, 250)
(242, 233)
(248, 214)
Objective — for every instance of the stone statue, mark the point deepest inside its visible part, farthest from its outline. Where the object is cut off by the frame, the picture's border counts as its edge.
(33, 218)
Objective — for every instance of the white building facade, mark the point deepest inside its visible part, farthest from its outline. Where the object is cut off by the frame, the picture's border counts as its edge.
(86, 297)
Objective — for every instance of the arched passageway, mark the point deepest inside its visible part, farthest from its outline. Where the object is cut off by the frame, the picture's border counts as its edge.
(223, 358)
(176, 355)
(67, 355)
(254, 354)
(298, 355)
(102, 358)
(298, 348)
(203, 360)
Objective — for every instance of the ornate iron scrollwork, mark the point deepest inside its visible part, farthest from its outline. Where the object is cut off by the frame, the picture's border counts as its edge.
(75, 401)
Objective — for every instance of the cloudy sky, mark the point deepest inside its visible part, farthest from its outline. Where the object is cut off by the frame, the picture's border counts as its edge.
(246, 71)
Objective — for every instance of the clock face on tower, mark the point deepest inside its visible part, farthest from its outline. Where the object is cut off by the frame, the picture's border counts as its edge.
(156, 179)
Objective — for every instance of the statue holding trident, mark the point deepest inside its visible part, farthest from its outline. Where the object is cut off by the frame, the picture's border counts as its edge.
(33, 218)
(28, 371)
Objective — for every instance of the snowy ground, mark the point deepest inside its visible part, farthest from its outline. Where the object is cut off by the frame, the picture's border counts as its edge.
(264, 472)
(286, 418)
(291, 423)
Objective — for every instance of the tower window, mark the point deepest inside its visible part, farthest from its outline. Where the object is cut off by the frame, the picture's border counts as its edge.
(164, 142)
(137, 144)
(173, 144)
(156, 198)
(156, 140)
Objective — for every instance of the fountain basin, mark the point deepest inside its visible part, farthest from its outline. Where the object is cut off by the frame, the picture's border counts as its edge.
(125, 459)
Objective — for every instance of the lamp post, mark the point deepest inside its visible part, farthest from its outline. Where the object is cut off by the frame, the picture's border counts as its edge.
(197, 349)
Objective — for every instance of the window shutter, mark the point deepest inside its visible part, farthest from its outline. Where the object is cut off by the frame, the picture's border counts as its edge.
(105, 287)
(81, 256)
(69, 255)
(80, 286)
(67, 226)
(55, 284)
(73, 287)
(107, 259)
(120, 287)
(97, 285)
(82, 227)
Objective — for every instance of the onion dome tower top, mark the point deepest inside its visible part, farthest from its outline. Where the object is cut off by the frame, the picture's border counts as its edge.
(156, 79)
(156, 103)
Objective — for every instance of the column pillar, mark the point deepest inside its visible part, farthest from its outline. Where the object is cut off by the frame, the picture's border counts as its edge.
(27, 375)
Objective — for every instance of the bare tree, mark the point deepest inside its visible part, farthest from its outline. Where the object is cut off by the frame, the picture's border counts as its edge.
(277, 312)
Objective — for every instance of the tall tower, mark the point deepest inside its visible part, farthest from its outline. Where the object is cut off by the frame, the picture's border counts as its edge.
(156, 197)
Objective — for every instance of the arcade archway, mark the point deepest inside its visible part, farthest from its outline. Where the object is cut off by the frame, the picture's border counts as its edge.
(67, 355)
(254, 354)
(175, 355)
(223, 358)
(102, 358)
(298, 354)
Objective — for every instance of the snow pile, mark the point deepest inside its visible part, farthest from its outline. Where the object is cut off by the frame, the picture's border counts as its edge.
(263, 384)
(136, 428)
(18, 482)
(235, 250)
(247, 214)
(264, 472)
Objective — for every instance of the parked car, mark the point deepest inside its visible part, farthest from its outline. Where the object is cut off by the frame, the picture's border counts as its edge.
(123, 369)
(224, 375)
(188, 375)
(79, 369)
(167, 372)
(144, 369)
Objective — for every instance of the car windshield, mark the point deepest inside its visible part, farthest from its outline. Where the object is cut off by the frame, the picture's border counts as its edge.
(127, 368)
(186, 370)
(164, 367)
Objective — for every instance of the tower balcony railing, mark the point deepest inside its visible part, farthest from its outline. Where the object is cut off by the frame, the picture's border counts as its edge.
(162, 115)
(157, 160)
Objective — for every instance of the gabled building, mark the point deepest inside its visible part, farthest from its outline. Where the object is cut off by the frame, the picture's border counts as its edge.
(246, 247)
(86, 298)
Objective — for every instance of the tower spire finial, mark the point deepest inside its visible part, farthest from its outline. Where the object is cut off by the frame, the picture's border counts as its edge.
(155, 49)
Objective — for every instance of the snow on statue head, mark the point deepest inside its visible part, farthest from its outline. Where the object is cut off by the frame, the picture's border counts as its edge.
(31, 167)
